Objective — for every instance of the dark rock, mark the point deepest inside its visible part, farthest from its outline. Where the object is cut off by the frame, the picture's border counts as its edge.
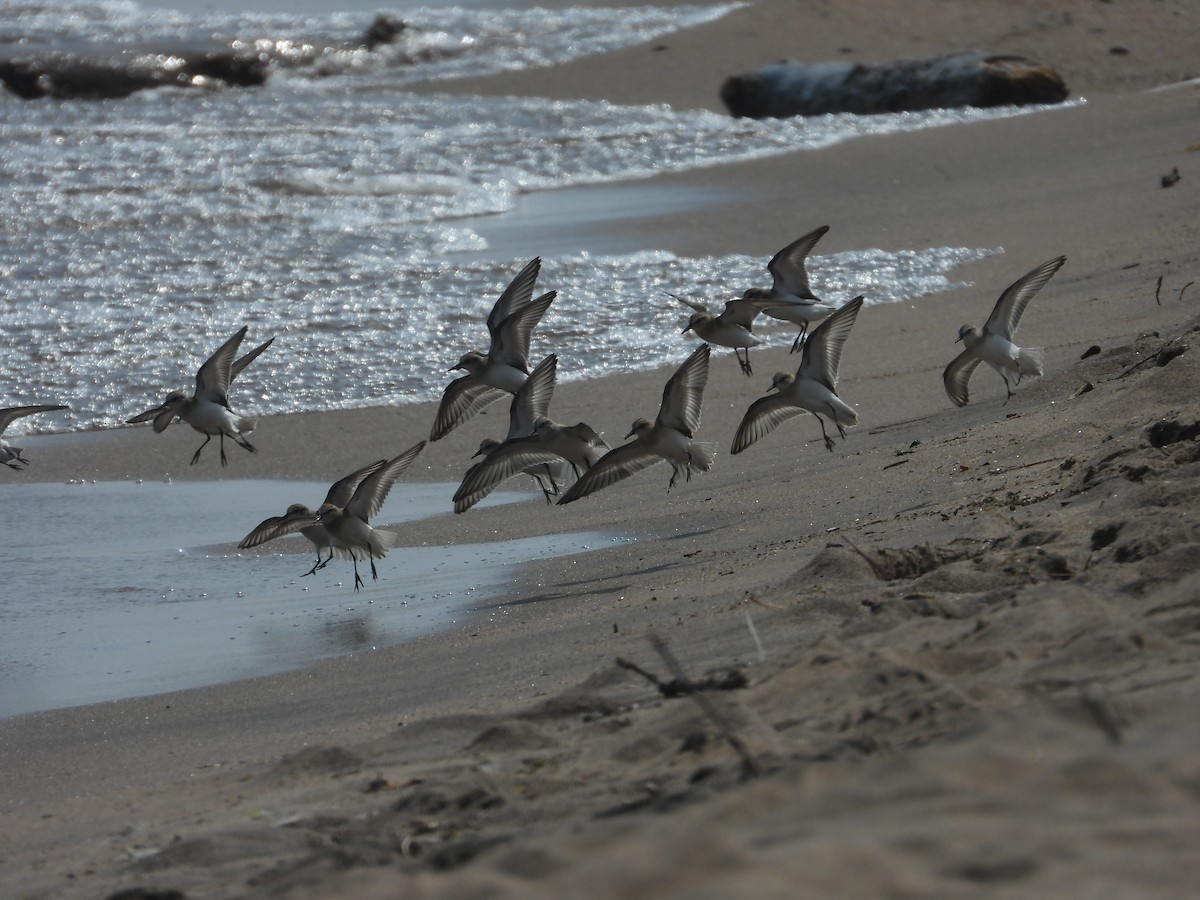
(954, 80)
(384, 30)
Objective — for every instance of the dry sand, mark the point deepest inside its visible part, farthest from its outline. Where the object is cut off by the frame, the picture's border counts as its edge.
(955, 657)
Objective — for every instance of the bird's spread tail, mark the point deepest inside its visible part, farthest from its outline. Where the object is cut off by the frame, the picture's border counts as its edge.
(1029, 362)
(702, 455)
(246, 424)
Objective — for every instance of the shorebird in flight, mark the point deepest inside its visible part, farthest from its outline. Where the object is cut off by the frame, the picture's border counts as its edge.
(670, 437)
(535, 442)
(304, 519)
(505, 366)
(813, 387)
(10, 455)
(789, 298)
(729, 328)
(207, 410)
(994, 343)
(351, 534)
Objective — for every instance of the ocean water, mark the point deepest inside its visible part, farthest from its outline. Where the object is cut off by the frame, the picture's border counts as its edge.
(351, 219)
(140, 593)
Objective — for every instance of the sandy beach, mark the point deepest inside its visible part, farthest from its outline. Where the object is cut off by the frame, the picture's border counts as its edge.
(956, 656)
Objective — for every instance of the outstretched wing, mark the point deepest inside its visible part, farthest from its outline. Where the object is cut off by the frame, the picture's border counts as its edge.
(373, 489)
(342, 490)
(1006, 315)
(958, 374)
(212, 381)
(517, 295)
(510, 340)
(462, 398)
(239, 364)
(787, 266)
(684, 393)
(763, 416)
(532, 401)
(823, 350)
(503, 462)
(614, 466)
(10, 415)
(277, 526)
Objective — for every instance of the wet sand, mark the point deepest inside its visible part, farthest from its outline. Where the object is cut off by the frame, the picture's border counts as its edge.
(956, 656)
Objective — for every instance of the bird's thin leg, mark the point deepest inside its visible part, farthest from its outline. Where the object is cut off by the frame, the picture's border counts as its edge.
(833, 418)
(319, 564)
(374, 574)
(674, 475)
(744, 362)
(224, 462)
(358, 582)
(799, 341)
(196, 455)
(828, 440)
(245, 444)
(1007, 387)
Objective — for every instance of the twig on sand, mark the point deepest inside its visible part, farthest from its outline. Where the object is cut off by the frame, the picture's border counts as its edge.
(1157, 288)
(681, 685)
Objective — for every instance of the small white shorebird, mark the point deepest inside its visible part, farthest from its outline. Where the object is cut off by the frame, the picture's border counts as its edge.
(789, 298)
(207, 410)
(505, 366)
(671, 436)
(812, 389)
(994, 344)
(10, 455)
(730, 328)
(347, 523)
(305, 519)
(535, 443)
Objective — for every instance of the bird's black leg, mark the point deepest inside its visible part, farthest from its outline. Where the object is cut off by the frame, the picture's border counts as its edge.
(245, 445)
(196, 455)
(374, 574)
(744, 362)
(224, 461)
(358, 582)
(799, 341)
(1007, 387)
(828, 440)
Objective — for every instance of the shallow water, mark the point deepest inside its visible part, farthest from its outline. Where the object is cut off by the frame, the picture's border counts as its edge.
(365, 227)
(136, 594)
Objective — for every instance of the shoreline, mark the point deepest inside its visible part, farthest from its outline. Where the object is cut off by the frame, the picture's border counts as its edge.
(966, 638)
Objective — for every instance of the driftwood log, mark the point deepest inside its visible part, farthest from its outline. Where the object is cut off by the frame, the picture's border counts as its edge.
(959, 79)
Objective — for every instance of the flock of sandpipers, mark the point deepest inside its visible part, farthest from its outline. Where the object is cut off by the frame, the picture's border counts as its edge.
(547, 450)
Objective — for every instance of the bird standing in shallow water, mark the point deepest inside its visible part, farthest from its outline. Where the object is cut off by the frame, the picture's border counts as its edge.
(305, 519)
(207, 410)
(670, 437)
(813, 388)
(994, 343)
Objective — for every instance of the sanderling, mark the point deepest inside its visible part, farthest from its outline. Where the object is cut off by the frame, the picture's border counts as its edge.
(669, 437)
(813, 388)
(505, 366)
(207, 410)
(730, 328)
(10, 455)
(993, 345)
(299, 517)
(790, 298)
(348, 524)
(538, 450)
